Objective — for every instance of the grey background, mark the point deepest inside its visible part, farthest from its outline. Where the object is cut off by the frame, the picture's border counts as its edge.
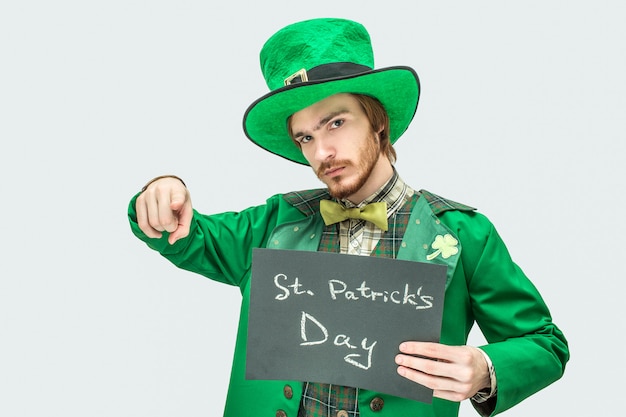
(521, 115)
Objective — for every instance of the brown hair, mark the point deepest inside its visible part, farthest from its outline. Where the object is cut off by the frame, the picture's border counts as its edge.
(378, 118)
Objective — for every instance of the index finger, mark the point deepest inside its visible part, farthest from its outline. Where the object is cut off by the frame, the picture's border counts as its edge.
(428, 350)
(185, 215)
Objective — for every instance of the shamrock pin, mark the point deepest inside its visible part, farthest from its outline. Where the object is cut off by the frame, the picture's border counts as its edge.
(444, 245)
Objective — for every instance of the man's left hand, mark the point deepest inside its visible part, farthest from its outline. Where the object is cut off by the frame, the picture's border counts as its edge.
(454, 373)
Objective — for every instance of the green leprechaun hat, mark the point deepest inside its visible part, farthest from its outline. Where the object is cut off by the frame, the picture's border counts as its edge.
(309, 61)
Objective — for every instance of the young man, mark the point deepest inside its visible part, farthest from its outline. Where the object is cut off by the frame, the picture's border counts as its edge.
(330, 109)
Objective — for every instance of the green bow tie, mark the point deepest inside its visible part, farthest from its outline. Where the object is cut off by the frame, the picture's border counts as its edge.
(333, 212)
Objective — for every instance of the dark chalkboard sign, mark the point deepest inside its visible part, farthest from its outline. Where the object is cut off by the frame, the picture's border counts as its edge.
(339, 319)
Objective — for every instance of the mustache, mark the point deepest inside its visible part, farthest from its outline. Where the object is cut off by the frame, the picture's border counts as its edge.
(325, 166)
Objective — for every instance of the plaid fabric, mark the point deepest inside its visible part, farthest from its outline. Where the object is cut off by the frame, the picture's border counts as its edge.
(327, 400)
(439, 204)
(360, 237)
(307, 201)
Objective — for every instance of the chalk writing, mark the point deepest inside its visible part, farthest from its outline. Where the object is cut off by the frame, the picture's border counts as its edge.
(339, 289)
(341, 340)
(404, 297)
(307, 317)
(286, 292)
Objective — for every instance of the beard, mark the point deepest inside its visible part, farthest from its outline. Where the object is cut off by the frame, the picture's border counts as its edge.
(367, 156)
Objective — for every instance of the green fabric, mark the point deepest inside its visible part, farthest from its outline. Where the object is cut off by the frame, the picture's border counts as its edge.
(311, 43)
(526, 348)
(314, 43)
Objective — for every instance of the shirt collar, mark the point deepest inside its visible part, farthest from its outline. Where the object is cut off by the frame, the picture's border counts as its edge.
(394, 192)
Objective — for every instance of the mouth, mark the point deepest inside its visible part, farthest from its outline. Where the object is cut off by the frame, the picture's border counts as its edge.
(333, 172)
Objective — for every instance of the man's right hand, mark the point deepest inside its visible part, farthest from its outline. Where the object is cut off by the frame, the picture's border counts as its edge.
(164, 205)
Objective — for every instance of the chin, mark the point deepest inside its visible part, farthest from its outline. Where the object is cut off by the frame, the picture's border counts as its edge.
(340, 190)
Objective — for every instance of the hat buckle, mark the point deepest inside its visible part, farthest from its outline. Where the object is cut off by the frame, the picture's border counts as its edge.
(299, 76)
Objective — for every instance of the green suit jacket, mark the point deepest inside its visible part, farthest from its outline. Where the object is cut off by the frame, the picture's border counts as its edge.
(483, 285)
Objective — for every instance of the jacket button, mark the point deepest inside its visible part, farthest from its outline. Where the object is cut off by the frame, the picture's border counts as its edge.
(342, 413)
(288, 391)
(281, 413)
(377, 404)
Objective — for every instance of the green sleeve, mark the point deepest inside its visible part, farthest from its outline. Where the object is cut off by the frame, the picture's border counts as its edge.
(527, 349)
(219, 246)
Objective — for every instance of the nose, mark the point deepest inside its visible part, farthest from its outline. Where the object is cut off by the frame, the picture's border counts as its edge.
(324, 148)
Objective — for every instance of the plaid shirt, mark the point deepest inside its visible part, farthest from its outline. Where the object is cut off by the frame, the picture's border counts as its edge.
(359, 237)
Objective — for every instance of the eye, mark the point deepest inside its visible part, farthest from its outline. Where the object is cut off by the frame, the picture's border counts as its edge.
(304, 139)
(336, 123)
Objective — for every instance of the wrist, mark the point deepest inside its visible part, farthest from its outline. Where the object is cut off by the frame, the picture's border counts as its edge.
(490, 388)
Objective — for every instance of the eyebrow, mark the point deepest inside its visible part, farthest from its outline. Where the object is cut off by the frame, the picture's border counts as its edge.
(323, 121)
